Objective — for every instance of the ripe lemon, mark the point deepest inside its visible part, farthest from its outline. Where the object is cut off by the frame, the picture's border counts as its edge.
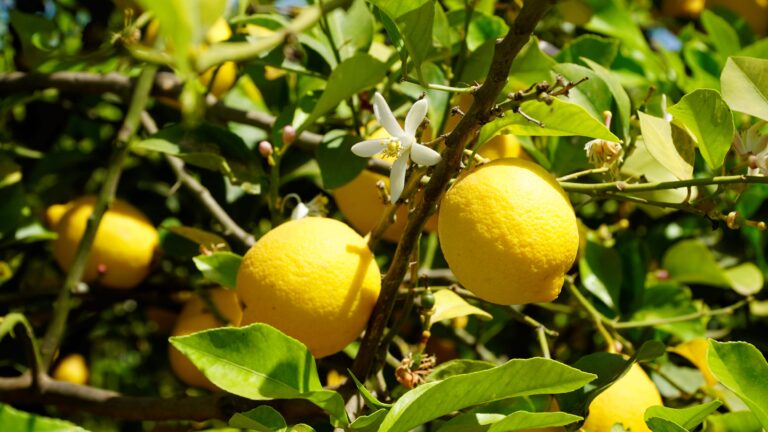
(682, 8)
(508, 232)
(624, 402)
(695, 351)
(224, 79)
(122, 250)
(314, 279)
(195, 317)
(73, 369)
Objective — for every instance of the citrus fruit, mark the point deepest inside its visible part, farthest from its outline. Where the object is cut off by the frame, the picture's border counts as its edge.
(122, 250)
(223, 76)
(682, 8)
(508, 232)
(73, 369)
(624, 402)
(196, 316)
(695, 351)
(314, 279)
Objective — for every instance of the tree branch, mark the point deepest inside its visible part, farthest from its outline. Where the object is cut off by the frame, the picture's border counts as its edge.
(19, 391)
(479, 112)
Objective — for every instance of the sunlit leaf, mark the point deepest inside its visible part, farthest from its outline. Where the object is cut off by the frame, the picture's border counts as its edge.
(744, 82)
(706, 116)
(219, 267)
(449, 305)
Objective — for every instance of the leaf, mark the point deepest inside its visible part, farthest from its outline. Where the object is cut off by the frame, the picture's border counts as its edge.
(691, 261)
(19, 421)
(650, 350)
(741, 421)
(667, 300)
(414, 20)
(338, 165)
(263, 418)
(657, 136)
(601, 272)
(707, 118)
(10, 171)
(688, 417)
(449, 305)
(598, 50)
(746, 278)
(592, 94)
(219, 267)
(620, 96)
(607, 367)
(347, 79)
(352, 30)
(663, 425)
(530, 420)
(471, 422)
(369, 423)
(484, 27)
(369, 398)
(744, 83)
(721, 34)
(518, 377)
(259, 362)
(741, 368)
(529, 66)
(204, 239)
(560, 119)
(458, 367)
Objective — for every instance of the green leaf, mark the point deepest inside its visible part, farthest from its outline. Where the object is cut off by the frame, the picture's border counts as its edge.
(650, 350)
(707, 118)
(518, 377)
(596, 49)
(458, 367)
(663, 425)
(483, 28)
(449, 305)
(620, 97)
(744, 82)
(414, 20)
(746, 278)
(530, 420)
(369, 423)
(667, 300)
(657, 136)
(204, 239)
(263, 418)
(560, 119)
(688, 418)
(14, 420)
(370, 399)
(347, 79)
(259, 362)
(10, 171)
(691, 261)
(741, 368)
(338, 165)
(739, 421)
(601, 272)
(352, 29)
(592, 94)
(721, 34)
(219, 267)
(471, 422)
(530, 66)
(607, 367)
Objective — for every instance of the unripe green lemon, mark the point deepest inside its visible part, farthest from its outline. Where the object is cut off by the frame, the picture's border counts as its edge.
(508, 232)
(313, 279)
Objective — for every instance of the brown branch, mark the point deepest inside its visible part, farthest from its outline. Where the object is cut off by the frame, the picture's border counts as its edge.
(19, 391)
(478, 114)
(201, 192)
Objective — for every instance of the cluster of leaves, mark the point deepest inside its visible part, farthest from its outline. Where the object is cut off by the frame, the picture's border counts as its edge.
(660, 266)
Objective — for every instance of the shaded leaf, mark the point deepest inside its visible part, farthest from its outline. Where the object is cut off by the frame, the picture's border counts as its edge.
(369, 423)
(688, 417)
(219, 267)
(721, 34)
(707, 118)
(338, 165)
(601, 272)
(657, 136)
(263, 418)
(19, 421)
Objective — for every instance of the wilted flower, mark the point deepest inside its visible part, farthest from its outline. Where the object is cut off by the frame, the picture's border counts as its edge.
(604, 153)
(401, 144)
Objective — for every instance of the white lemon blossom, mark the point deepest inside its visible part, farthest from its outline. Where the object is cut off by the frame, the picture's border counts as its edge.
(401, 144)
(754, 144)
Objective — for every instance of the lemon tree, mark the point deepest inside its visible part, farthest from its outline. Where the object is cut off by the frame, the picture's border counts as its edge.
(369, 215)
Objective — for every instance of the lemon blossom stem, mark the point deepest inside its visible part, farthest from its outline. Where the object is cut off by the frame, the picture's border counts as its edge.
(106, 195)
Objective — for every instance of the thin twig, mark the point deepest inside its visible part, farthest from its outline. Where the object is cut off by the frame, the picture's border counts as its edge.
(597, 318)
(727, 310)
(201, 192)
(105, 197)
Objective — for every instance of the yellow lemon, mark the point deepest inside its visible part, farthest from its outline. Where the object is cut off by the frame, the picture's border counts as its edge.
(122, 250)
(508, 232)
(223, 76)
(73, 369)
(624, 402)
(196, 316)
(314, 279)
(695, 351)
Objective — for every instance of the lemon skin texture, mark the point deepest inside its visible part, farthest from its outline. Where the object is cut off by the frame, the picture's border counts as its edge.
(624, 402)
(72, 369)
(314, 279)
(695, 351)
(508, 232)
(196, 316)
(122, 250)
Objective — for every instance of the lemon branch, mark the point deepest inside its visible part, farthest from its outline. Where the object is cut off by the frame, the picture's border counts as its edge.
(479, 112)
(727, 310)
(105, 197)
(622, 186)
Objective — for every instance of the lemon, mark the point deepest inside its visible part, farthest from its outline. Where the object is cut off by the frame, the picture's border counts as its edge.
(73, 369)
(314, 279)
(122, 250)
(508, 232)
(682, 8)
(695, 351)
(624, 402)
(196, 316)
(223, 77)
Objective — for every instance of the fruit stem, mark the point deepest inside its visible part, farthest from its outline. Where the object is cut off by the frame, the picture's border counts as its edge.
(106, 195)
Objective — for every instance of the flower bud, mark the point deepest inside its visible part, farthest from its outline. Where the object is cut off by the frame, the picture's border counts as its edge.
(265, 149)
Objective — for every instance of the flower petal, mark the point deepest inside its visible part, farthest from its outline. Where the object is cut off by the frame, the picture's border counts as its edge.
(397, 177)
(424, 155)
(385, 117)
(415, 116)
(368, 148)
